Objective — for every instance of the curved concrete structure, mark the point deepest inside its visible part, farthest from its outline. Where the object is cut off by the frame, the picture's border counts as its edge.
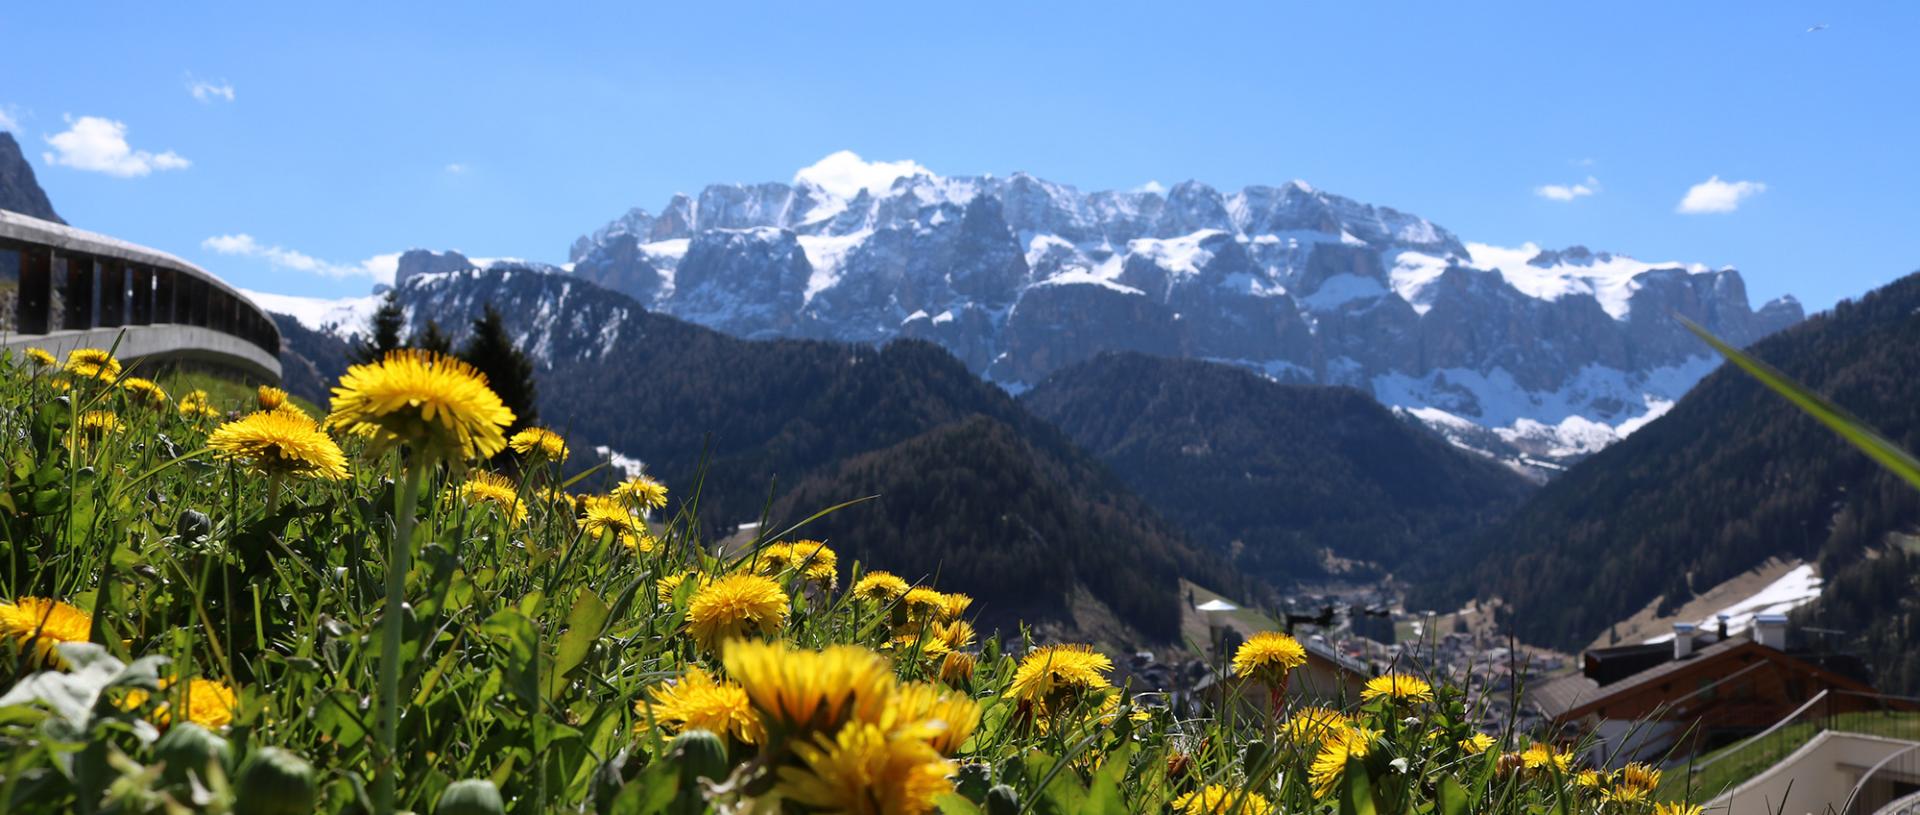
(63, 288)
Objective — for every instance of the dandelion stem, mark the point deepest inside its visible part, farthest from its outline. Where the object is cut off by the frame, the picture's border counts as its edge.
(399, 554)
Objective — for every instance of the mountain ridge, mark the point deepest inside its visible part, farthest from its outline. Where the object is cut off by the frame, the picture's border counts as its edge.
(1731, 476)
(1278, 475)
(1548, 355)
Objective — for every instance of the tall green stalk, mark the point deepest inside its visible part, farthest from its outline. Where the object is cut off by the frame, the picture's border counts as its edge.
(393, 619)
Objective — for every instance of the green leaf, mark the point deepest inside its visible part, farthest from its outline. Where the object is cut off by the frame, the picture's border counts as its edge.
(1104, 797)
(1453, 797)
(584, 622)
(1356, 796)
(951, 803)
(515, 635)
(1856, 432)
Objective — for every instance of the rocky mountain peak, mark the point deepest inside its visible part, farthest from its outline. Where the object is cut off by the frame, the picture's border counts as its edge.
(1536, 355)
(19, 189)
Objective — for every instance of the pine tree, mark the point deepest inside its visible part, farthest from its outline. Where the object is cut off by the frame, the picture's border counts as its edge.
(508, 371)
(433, 339)
(383, 330)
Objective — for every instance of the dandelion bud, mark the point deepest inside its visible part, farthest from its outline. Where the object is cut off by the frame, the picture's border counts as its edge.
(1509, 762)
(1002, 800)
(189, 747)
(472, 796)
(700, 754)
(1177, 766)
(275, 782)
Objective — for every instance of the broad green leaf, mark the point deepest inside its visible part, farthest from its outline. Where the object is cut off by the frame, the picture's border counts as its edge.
(952, 803)
(589, 614)
(1356, 795)
(1856, 432)
(1453, 797)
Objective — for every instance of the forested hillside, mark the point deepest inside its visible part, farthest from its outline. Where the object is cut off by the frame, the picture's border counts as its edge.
(732, 423)
(1732, 475)
(1277, 473)
(1018, 521)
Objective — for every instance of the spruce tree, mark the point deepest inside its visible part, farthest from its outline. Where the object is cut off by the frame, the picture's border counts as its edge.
(433, 339)
(508, 371)
(383, 330)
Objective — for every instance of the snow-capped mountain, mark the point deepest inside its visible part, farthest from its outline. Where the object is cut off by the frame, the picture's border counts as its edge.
(1537, 356)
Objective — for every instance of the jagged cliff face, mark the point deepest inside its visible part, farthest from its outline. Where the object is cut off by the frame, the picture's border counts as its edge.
(1537, 356)
(19, 190)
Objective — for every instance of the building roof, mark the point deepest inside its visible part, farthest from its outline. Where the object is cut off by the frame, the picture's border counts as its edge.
(1561, 694)
(1724, 649)
(61, 236)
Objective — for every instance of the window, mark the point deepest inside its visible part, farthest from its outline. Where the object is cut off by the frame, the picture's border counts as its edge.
(9, 291)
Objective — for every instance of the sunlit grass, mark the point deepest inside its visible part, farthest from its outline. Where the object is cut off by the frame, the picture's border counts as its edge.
(555, 653)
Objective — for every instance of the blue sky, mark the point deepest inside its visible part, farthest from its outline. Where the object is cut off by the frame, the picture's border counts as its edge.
(334, 134)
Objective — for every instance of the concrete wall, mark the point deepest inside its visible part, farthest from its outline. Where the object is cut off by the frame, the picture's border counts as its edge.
(159, 343)
(1820, 774)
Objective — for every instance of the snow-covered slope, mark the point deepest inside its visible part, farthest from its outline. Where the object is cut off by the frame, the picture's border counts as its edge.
(1534, 355)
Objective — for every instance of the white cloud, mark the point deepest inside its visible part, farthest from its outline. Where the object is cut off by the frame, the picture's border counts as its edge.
(844, 174)
(1151, 186)
(1568, 192)
(7, 122)
(206, 91)
(99, 145)
(1714, 195)
(379, 268)
(457, 168)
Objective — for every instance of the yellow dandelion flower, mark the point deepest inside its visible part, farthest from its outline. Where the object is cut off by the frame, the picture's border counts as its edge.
(210, 703)
(1330, 764)
(40, 358)
(280, 442)
(798, 690)
(812, 558)
(1398, 688)
(923, 603)
(271, 398)
(144, 392)
(947, 718)
(642, 490)
(197, 405)
(39, 624)
(1681, 808)
(1589, 779)
(641, 542)
(879, 587)
(957, 668)
(539, 443)
(97, 423)
(483, 489)
(1268, 657)
(669, 584)
(602, 515)
(734, 606)
(1218, 800)
(1638, 774)
(1476, 744)
(1052, 671)
(1626, 795)
(421, 398)
(928, 648)
(864, 770)
(1540, 756)
(699, 702)
(93, 363)
(956, 635)
(1313, 725)
(955, 604)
